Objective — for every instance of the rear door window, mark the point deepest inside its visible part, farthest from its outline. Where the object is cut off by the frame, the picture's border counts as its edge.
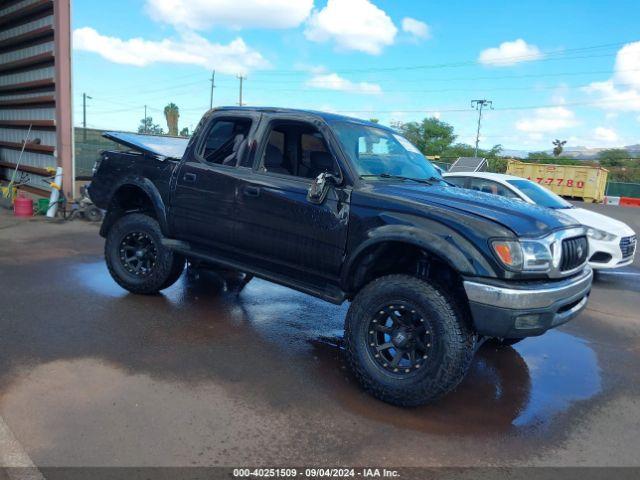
(224, 141)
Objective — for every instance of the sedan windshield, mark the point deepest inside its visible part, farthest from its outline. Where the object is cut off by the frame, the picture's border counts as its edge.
(378, 152)
(540, 195)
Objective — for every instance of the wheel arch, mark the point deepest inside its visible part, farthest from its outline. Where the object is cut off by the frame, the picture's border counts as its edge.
(135, 194)
(394, 249)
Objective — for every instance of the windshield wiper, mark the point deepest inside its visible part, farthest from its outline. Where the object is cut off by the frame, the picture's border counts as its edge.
(441, 179)
(398, 177)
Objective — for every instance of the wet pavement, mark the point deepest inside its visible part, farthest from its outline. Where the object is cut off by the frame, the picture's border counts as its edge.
(91, 375)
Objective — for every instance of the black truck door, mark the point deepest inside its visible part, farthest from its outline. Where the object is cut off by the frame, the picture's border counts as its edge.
(203, 205)
(276, 221)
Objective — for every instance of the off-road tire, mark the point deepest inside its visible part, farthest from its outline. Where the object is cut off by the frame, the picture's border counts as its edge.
(454, 342)
(167, 267)
(179, 263)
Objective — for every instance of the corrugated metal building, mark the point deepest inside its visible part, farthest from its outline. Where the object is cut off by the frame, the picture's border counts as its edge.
(35, 91)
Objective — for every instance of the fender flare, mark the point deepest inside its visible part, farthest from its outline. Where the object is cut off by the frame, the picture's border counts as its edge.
(152, 192)
(445, 243)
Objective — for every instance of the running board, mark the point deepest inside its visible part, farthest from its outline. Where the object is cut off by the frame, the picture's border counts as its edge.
(330, 294)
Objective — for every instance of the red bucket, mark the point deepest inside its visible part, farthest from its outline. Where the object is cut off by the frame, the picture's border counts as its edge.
(23, 207)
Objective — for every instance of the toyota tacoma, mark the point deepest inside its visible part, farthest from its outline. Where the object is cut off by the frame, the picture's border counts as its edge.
(344, 210)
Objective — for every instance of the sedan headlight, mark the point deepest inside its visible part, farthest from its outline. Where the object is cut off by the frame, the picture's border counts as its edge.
(524, 255)
(600, 235)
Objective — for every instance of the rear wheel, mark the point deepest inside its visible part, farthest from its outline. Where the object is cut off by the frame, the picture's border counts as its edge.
(136, 259)
(406, 342)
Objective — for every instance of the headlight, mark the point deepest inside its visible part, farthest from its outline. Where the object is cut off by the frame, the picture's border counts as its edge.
(600, 235)
(525, 255)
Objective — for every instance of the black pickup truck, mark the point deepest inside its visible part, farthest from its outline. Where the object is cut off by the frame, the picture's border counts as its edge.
(345, 210)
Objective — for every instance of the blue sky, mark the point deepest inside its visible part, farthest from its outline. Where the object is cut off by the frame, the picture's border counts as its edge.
(553, 69)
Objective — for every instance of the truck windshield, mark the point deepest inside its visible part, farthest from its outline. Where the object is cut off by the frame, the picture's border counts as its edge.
(540, 195)
(381, 152)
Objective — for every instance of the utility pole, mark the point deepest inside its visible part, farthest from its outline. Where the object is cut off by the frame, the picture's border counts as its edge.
(85, 97)
(213, 85)
(242, 79)
(145, 120)
(479, 105)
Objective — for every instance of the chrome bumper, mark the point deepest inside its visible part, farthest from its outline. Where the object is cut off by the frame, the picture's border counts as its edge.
(507, 312)
(529, 298)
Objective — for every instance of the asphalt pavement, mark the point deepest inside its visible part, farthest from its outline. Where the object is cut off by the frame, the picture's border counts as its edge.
(91, 375)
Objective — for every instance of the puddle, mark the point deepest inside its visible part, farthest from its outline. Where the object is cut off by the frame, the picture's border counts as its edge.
(525, 387)
(95, 276)
(563, 370)
(512, 388)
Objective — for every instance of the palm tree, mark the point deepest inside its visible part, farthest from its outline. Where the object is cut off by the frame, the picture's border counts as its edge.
(557, 149)
(172, 114)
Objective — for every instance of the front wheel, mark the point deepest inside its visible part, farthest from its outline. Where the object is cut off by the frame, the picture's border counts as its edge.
(406, 342)
(136, 259)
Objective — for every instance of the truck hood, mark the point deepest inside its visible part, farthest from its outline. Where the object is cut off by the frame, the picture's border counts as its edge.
(523, 219)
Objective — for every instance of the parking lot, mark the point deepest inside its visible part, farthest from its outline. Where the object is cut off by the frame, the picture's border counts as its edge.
(93, 376)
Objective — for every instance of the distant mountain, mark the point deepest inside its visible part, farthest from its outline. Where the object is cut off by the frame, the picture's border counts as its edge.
(515, 153)
(581, 152)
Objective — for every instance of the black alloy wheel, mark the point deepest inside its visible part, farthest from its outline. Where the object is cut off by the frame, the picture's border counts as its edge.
(400, 339)
(138, 253)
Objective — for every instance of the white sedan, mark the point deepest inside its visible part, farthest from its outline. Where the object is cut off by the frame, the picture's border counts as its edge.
(612, 243)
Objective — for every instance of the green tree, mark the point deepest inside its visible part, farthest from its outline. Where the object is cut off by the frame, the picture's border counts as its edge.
(147, 126)
(540, 157)
(558, 146)
(374, 120)
(184, 132)
(431, 136)
(613, 157)
(172, 115)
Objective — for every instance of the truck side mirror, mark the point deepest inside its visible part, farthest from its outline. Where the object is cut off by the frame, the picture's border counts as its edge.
(320, 187)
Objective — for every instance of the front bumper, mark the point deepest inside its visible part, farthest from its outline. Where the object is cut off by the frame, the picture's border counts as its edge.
(607, 254)
(526, 310)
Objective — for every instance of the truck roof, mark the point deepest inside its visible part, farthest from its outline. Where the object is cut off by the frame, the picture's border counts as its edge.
(327, 116)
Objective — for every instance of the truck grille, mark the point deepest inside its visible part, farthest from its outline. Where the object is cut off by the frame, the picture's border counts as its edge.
(574, 253)
(628, 246)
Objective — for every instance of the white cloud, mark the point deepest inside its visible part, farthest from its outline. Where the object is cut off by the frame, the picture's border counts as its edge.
(333, 81)
(419, 30)
(546, 120)
(192, 49)
(607, 135)
(204, 14)
(612, 97)
(510, 53)
(627, 68)
(622, 91)
(353, 25)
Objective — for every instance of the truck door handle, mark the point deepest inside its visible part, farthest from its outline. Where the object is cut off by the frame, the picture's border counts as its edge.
(189, 177)
(251, 191)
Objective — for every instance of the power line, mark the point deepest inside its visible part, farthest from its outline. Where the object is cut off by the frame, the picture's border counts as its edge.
(548, 55)
(460, 110)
